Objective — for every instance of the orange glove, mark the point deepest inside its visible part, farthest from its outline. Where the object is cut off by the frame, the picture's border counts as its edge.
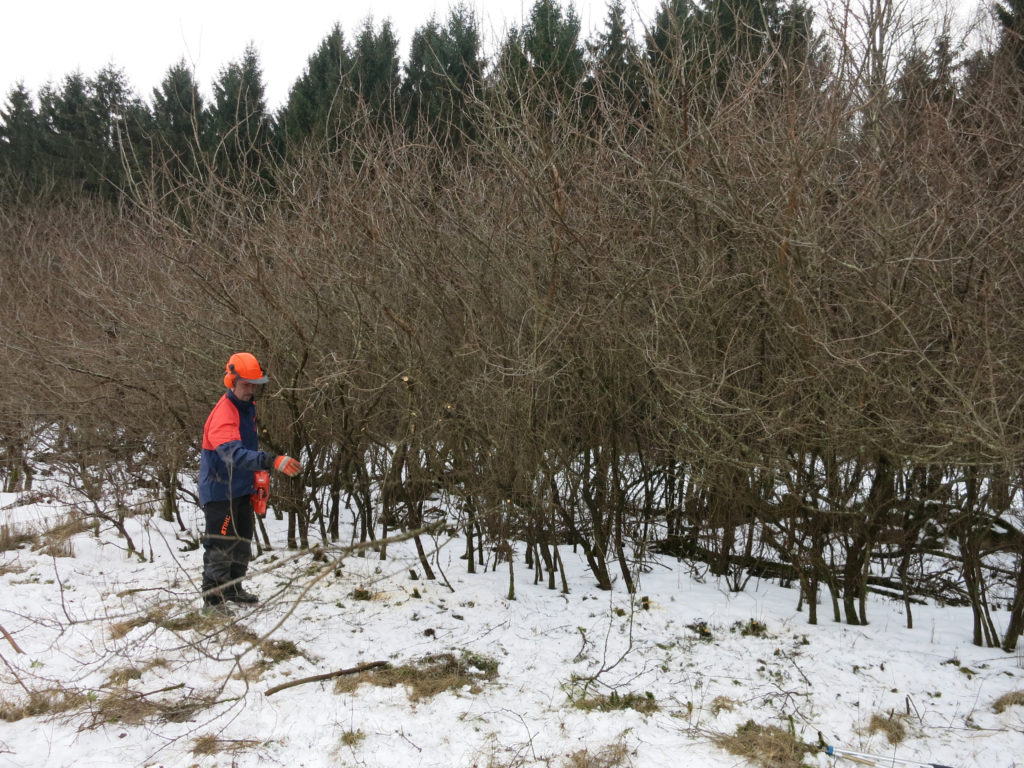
(288, 465)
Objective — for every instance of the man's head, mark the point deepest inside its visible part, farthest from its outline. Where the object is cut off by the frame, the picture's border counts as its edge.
(242, 375)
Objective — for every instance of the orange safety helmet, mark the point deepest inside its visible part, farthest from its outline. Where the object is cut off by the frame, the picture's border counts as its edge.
(243, 366)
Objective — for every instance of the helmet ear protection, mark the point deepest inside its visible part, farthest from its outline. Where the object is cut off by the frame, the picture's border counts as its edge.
(243, 366)
(230, 377)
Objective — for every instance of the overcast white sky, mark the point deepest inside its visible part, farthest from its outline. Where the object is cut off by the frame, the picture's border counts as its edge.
(45, 40)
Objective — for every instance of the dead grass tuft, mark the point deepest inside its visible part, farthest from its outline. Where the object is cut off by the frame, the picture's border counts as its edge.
(766, 745)
(127, 707)
(1007, 700)
(611, 756)
(122, 676)
(57, 541)
(722, 704)
(352, 738)
(11, 538)
(275, 651)
(58, 548)
(183, 710)
(751, 628)
(210, 745)
(228, 632)
(12, 567)
(163, 615)
(121, 629)
(50, 701)
(893, 726)
(206, 745)
(644, 703)
(123, 706)
(427, 676)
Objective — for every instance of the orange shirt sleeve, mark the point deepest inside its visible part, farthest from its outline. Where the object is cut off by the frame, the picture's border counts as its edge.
(221, 425)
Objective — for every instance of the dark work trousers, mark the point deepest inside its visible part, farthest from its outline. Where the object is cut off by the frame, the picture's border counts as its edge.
(229, 528)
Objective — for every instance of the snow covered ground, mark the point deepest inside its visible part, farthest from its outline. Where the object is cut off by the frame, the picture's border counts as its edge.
(147, 681)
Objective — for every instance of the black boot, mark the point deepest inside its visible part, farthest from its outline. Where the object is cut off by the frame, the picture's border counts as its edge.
(239, 595)
(240, 554)
(213, 604)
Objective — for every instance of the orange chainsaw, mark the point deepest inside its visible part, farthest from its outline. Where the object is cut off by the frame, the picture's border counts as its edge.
(261, 492)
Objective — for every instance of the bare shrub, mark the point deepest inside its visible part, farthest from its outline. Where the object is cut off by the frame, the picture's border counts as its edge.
(766, 312)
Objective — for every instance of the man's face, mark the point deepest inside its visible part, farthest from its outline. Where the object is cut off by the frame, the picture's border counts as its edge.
(245, 390)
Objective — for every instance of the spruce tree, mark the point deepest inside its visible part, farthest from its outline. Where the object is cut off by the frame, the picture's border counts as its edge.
(20, 144)
(441, 76)
(1011, 19)
(121, 129)
(179, 122)
(70, 134)
(615, 58)
(238, 130)
(551, 41)
(666, 35)
(318, 104)
(375, 71)
(544, 60)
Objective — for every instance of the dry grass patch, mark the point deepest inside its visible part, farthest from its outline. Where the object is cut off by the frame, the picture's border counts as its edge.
(12, 538)
(56, 541)
(275, 651)
(211, 745)
(612, 756)
(893, 726)
(644, 703)
(352, 738)
(722, 704)
(362, 593)
(226, 630)
(163, 616)
(127, 707)
(50, 701)
(12, 567)
(427, 676)
(122, 676)
(120, 629)
(1007, 700)
(271, 652)
(123, 706)
(766, 745)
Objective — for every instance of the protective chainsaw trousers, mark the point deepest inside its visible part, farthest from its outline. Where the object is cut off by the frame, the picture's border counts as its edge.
(227, 545)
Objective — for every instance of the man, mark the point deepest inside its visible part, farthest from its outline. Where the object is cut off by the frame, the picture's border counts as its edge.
(230, 458)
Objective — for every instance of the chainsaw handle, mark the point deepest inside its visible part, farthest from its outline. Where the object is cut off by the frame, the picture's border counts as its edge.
(857, 757)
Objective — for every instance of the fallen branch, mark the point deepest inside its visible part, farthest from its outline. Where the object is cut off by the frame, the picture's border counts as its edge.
(10, 639)
(161, 690)
(327, 676)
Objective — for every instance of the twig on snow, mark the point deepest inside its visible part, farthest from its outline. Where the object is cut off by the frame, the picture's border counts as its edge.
(327, 676)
